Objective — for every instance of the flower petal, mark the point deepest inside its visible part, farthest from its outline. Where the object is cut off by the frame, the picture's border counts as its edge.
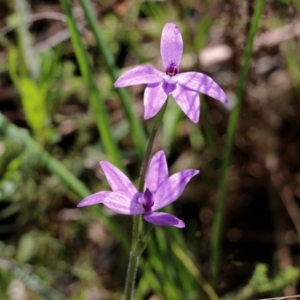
(94, 199)
(157, 171)
(171, 45)
(202, 83)
(154, 99)
(171, 189)
(117, 202)
(117, 180)
(188, 101)
(139, 75)
(164, 219)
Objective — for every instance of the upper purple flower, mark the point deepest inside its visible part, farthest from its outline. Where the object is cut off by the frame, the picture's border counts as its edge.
(184, 87)
(160, 190)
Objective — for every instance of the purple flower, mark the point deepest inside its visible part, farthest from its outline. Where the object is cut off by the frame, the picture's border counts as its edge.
(184, 87)
(160, 190)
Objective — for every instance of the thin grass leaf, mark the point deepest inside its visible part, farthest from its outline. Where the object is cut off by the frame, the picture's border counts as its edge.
(292, 63)
(97, 102)
(30, 59)
(31, 280)
(202, 31)
(34, 104)
(179, 275)
(56, 167)
(231, 129)
(137, 130)
(186, 261)
(148, 282)
(32, 97)
(163, 238)
(159, 264)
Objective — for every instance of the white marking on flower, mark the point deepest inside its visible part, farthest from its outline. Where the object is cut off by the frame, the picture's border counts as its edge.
(170, 79)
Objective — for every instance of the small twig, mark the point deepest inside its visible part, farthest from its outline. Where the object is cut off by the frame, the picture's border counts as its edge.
(56, 39)
(220, 53)
(291, 206)
(281, 298)
(277, 36)
(35, 17)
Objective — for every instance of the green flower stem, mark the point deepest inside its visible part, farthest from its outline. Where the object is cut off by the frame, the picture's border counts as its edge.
(139, 234)
(146, 160)
(231, 128)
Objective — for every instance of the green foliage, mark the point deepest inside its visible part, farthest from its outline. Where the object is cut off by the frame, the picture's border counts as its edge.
(260, 283)
(33, 95)
(231, 129)
(50, 249)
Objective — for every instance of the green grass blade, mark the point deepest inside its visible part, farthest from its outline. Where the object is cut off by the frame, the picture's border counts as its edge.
(137, 130)
(188, 264)
(32, 98)
(231, 128)
(292, 63)
(56, 167)
(32, 280)
(26, 63)
(97, 102)
(21, 136)
(30, 59)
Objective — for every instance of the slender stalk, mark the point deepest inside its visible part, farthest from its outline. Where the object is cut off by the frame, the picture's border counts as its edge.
(139, 237)
(146, 160)
(231, 128)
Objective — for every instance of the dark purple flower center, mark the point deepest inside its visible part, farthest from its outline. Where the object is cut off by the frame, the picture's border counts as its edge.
(172, 69)
(147, 200)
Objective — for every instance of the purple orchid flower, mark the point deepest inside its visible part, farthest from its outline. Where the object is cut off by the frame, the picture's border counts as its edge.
(184, 87)
(160, 190)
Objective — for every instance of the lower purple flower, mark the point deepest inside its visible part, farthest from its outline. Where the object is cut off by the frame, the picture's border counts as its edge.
(160, 190)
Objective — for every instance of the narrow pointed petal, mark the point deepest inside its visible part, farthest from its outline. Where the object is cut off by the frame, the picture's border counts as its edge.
(202, 83)
(164, 219)
(94, 199)
(139, 75)
(188, 101)
(157, 171)
(117, 180)
(117, 202)
(154, 99)
(171, 45)
(171, 189)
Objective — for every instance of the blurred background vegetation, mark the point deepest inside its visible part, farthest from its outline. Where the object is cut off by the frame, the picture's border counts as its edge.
(60, 116)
